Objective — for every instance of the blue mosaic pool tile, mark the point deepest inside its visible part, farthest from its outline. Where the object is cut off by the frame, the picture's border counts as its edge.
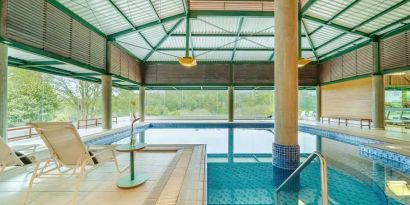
(107, 138)
(285, 156)
(341, 137)
(171, 125)
(387, 158)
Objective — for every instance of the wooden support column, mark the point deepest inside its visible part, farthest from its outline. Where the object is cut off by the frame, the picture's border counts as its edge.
(231, 103)
(377, 88)
(318, 103)
(231, 95)
(3, 91)
(142, 103)
(106, 81)
(285, 148)
(378, 101)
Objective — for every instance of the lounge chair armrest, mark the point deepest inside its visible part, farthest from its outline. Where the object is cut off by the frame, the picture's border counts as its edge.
(101, 150)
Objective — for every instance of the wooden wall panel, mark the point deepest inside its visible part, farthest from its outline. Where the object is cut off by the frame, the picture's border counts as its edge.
(243, 74)
(336, 68)
(365, 60)
(350, 98)
(38, 24)
(357, 62)
(308, 75)
(124, 65)
(174, 74)
(397, 80)
(253, 73)
(394, 51)
(349, 64)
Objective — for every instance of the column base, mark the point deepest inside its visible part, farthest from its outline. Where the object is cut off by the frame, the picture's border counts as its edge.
(285, 156)
(285, 160)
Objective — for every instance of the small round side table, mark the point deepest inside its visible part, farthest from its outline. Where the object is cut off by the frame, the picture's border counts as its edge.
(132, 180)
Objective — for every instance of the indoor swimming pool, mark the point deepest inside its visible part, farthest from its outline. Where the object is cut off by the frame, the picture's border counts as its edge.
(240, 168)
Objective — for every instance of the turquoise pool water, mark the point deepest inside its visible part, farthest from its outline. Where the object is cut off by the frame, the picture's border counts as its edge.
(240, 170)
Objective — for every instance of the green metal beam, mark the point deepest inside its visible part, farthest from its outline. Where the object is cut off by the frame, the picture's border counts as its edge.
(345, 51)
(187, 36)
(146, 40)
(335, 26)
(271, 57)
(346, 79)
(50, 70)
(146, 25)
(316, 30)
(126, 50)
(238, 32)
(42, 63)
(300, 28)
(340, 48)
(156, 14)
(310, 40)
(121, 13)
(243, 35)
(84, 74)
(343, 10)
(390, 25)
(380, 14)
(224, 49)
(129, 21)
(197, 13)
(44, 53)
(330, 41)
(73, 15)
(307, 6)
(163, 40)
(403, 28)
(336, 15)
(376, 56)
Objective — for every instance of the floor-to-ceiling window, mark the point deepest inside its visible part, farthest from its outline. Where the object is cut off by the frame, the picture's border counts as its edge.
(186, 104)
(307, 104)
(253, 104)
(397, 101)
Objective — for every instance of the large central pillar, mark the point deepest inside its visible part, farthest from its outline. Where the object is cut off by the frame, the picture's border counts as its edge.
(106, 81)
(285, 148)
(142, 103)
(3, 91)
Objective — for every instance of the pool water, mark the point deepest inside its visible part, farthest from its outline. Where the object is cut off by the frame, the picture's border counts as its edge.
(240, 169)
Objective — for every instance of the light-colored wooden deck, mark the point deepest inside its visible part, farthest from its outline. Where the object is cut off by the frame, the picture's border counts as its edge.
(176, 176)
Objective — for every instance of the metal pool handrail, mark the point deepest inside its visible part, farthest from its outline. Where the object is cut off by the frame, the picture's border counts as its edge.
(323, 176)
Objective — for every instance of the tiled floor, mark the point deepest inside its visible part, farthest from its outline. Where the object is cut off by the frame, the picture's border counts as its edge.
(99, 185)
(382, 135)
(397, 142)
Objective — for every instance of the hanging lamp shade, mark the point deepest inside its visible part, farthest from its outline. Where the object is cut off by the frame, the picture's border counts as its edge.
(302, 62)
(187, 62)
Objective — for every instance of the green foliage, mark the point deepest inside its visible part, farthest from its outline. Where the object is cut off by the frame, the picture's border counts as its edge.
(81, 98)
(186, 103)
(254, 103)
(124, 102)
(30, 98)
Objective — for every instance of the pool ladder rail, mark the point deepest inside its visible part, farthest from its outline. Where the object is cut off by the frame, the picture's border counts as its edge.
(323, 176)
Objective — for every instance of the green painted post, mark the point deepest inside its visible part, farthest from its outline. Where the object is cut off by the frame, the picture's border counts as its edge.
(404, 98)
(132, 166)
(187, 30)
(3, 91)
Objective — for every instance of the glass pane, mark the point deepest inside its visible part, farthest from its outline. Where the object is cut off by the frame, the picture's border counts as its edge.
(187, 104)
(254, 104)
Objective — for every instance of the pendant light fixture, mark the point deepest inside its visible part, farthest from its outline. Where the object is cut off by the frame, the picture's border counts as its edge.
(186, 61)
